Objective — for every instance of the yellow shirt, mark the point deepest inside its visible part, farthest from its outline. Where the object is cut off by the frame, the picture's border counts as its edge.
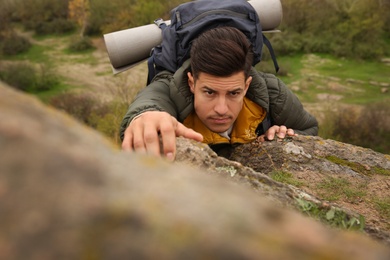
(250, 116)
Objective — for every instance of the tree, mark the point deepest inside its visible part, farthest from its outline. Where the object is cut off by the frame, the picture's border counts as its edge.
(348, 28)
(79, 11)
(5, 18)
(43, 16)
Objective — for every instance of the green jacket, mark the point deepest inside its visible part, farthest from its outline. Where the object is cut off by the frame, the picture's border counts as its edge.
(170, 93)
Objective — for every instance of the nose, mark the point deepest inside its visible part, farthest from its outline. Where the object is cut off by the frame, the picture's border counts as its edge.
(221, 107)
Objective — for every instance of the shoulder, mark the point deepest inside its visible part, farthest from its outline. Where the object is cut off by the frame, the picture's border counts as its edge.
(265, 88)
(272, 82)
(178, 79)
(276, 88)
(176, 89)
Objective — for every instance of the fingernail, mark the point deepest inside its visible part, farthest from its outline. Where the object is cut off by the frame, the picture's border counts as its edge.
(170, 157)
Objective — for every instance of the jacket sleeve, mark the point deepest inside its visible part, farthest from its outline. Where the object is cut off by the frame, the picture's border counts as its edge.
(154, 97)
(286, 109)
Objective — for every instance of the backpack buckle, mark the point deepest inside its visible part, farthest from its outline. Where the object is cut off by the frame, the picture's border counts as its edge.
(159, 22)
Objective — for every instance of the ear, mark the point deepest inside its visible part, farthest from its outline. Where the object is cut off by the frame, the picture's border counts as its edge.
(247, 83)
(191, 82)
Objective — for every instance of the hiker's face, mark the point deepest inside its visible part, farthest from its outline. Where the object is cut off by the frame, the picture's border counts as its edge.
(218, 100)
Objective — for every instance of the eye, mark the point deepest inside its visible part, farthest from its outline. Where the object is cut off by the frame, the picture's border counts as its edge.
(208, 92)
(234, 93)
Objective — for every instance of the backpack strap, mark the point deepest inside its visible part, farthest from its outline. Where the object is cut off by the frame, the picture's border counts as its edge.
(271, 51)
(151, 69)
(151, 65)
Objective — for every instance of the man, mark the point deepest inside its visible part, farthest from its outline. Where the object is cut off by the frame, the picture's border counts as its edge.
(216, 97)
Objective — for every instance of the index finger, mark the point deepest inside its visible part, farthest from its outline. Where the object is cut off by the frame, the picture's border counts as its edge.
(168, 137)
(188, 133)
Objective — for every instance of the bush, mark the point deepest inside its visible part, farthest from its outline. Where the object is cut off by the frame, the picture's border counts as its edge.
(286, 43)
(104, 117)
(14, 44)
(314, 44)
(28, 77)
(81, 44)
(375, 122)
(80, 106)
(108, 124)
(47, 79)
(57, 26)
(21, 76)
(367, 127)
(43, 16)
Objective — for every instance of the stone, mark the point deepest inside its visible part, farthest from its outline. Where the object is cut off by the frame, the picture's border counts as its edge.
(66, 192)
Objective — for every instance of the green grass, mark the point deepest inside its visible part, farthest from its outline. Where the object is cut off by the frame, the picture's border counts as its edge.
(357, 167)
(355, 69)
(60, 88)
(62, 36)
(39, 53)
(337, 71)
(35, 54)
(331, 216)
(333, 189)
(285, 177)
(381, 171)
(293, 64)
(383, 206)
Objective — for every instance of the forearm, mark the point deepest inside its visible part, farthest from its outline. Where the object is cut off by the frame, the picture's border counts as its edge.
(291, 113)
(309, 128)
(154, 97)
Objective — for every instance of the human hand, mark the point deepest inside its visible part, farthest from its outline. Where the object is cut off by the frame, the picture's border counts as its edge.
(279, 131)
(142, 134)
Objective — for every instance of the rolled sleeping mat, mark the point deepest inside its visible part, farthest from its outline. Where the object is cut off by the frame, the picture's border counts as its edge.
(127, 48)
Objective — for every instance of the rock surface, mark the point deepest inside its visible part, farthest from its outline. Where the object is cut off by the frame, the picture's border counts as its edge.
(362, 175)
(66, 192)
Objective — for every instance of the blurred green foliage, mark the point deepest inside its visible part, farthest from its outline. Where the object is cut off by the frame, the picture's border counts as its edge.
(80, 44)
(368, 127)
(348, 28)
(14, 44)
(28, 77)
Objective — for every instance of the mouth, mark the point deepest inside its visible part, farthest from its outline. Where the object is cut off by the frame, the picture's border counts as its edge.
(220, 120)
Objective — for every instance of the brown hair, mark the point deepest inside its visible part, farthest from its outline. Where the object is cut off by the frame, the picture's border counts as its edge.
(221, 51)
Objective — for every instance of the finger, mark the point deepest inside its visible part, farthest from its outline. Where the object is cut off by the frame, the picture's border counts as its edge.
(261, 138)
(138, 138)
(151, 139)
(271, 132)
(189, 133)
(282, 132)
(168, 137)
(127, 144)
(290, 132)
